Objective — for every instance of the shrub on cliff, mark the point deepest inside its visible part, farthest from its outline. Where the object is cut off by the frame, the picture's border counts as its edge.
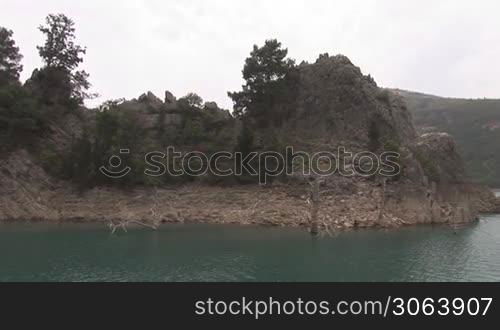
(51, 87)
(116, 130)
(21, 121)
(384, 96)
(191, 100)
(430, 169)
(78, 164)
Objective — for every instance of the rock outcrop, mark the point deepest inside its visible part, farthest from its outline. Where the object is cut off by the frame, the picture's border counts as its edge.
(26, 191)
(441, 157)
(335, 106)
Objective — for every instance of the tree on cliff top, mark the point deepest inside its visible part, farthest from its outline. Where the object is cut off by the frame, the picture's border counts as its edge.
(20, 122)
(62, 56)
(264, 74)
(10, 58)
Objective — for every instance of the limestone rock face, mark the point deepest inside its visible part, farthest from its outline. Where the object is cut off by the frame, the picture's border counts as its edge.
(333, 105)
(172, 119)
(483, 199)
(336, 102)
(169, 98)
(150, 99)
(25, 189)
(441, 152)
(337, 105)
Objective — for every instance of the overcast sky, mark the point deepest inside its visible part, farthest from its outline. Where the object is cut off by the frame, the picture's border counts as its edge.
(448, 48)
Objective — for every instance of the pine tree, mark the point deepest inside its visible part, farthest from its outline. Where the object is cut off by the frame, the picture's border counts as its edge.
(265, 74)
(62, 57)
(10, 58)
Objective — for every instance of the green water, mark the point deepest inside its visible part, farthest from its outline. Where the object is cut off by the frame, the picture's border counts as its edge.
(70, 252)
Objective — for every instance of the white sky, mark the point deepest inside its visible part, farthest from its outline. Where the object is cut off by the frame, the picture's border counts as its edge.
(448, 48)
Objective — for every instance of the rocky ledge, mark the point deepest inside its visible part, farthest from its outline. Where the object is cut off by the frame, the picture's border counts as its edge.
(334, 106)
(28, 193)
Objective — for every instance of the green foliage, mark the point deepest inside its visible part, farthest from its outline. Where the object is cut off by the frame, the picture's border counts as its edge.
(384, 96)
(116, 130)
(392, 146)
(192, 132)
(51, 160)
(430, 168)
(10, 58)
(21, 116)
(60, 49)
(245, 145)
(373, 136)
(26, 111)
(78, 164)
(191, 100)
(20, 119)
(205, 128)
(266, 64)
(52, 87)
(62, 56)
(473, 123)
(381, 134)
(245, 140)
(268, 76)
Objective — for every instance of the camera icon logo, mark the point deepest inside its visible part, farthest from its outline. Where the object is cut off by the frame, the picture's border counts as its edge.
(114, 163)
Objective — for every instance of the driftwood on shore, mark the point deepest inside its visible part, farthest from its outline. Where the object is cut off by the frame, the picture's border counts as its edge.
(116, 224)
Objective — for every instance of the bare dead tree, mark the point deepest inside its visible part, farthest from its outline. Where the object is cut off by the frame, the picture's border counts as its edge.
(126, 219)
(155, 210)
(115, 224)
(315, 200)
(381, 208)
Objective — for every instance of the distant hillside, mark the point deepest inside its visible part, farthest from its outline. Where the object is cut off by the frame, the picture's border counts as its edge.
(474, 123)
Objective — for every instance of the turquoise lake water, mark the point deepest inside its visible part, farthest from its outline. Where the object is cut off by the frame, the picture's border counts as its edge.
(88, 252)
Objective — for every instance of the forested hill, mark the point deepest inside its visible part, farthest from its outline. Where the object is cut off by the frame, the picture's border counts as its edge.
(474, 123)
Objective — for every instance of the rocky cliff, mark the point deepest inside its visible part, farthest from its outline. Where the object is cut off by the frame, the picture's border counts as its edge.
(337, 103)
(335, 106)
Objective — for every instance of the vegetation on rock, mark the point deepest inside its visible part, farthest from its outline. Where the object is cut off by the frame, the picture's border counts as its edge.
(317, 107)
(473, 123)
